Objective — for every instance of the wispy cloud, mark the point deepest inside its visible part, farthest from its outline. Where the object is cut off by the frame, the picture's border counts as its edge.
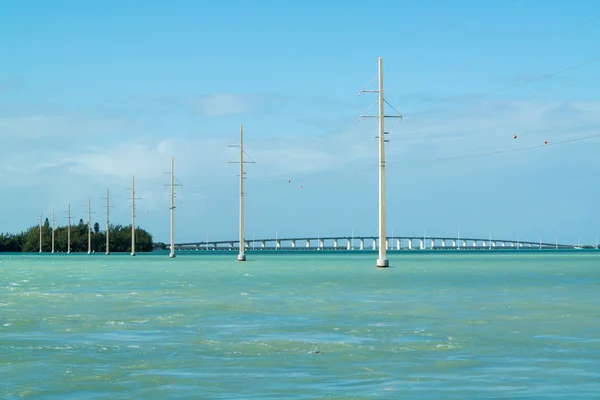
(225, 104)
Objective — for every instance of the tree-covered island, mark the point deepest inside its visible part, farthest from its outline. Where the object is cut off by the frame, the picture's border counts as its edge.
(119, 237)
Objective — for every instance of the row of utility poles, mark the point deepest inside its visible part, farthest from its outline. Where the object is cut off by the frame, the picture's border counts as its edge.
(382, 260)
(108, 206)
(89, 228)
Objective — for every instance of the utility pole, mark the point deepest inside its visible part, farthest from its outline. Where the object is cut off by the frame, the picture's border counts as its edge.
(382, 261)
(107, 252)
(133, 198)
(53, 230)
(41, 232)
(89, 227)
(172, 254)
(172, 208)
(241, 255)
(69, 229)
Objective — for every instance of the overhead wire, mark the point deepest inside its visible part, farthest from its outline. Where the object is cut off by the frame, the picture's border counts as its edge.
(428, 114)
(521, 47)
(532, 43)
(495, 152)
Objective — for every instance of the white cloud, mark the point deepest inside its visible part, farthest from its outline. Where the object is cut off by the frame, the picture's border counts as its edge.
(21, 129)
(223, 104)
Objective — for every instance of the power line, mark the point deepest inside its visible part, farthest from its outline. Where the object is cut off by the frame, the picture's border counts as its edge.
(526, 45)
(490, 153)
(424, 116)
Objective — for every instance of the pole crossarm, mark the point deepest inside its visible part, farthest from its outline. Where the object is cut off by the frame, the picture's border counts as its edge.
(377, 116)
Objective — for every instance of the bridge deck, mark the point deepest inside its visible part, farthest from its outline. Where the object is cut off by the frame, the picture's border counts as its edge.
(254, 243)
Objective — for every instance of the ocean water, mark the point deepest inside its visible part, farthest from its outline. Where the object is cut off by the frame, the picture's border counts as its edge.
(301, 325)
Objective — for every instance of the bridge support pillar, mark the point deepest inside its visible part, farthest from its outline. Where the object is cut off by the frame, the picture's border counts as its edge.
(321, 243)
(263, 244)
(398, 247)
(512, 244)
(214, 246)
(410, 244)
(443, 242)
(362, 244)
(432, 243)
(349, 245)
(278, 244)
(474, 243)
(307, 243)
(421, 244)
(453, 243)
(230, 245)
(335, 243)
(493, 244)
(483, 244)
(464, 243)
(374, 244)
(293, 244)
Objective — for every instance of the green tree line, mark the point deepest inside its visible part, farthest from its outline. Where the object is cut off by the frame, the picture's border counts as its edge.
(119, 237)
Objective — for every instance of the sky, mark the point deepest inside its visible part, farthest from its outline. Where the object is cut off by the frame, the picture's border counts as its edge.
(93, 93)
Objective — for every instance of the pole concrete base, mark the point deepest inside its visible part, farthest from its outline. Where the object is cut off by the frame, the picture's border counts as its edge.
(382, 263)
(241, 257)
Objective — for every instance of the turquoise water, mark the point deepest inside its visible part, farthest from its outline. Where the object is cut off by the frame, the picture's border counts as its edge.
(450, 325)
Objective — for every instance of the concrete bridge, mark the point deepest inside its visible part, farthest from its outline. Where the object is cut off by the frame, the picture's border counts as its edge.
(368, 242)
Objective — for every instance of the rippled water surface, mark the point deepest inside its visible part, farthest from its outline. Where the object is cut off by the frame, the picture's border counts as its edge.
(301, 326)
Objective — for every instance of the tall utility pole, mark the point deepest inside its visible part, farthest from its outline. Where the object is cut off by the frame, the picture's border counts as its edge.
(133, 216)
(89, 227)
(242, 245)
(69, 229)
(172, 208)
(53, 230)
(172, 253)
(241, 255)
(382, 261)
(107, 252)
(41, 232)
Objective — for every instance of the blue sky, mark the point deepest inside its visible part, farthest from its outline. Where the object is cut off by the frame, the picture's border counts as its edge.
(94, 92)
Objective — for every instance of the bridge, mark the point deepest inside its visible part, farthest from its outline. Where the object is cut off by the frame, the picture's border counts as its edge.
(368, 242)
